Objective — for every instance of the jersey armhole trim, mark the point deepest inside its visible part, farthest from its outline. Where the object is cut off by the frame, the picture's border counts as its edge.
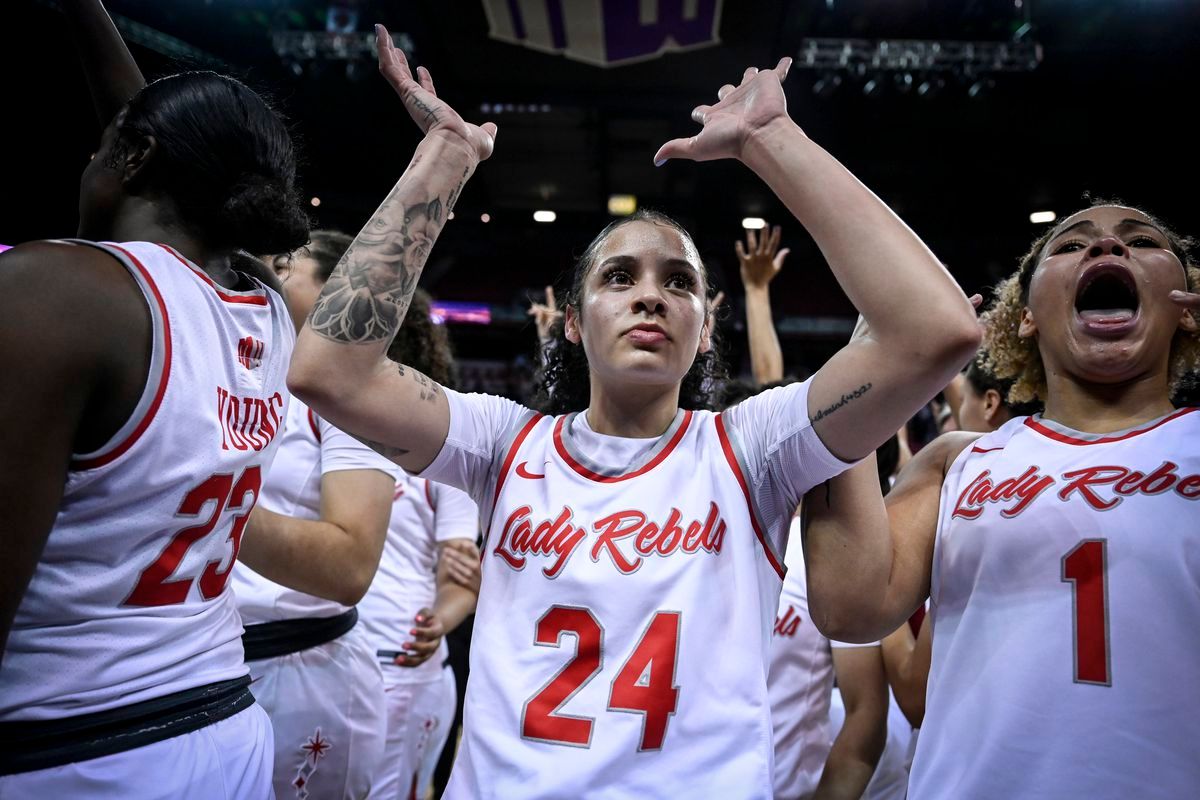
(144, 413)
(505, 465)
(429, 497)
(732, 458)
(312, 423)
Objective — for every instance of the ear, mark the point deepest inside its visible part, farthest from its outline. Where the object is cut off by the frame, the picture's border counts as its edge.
(706, 335)
(1187, 321)
(1027, 326)
(992, 403)
(139, 151)
(571, 325)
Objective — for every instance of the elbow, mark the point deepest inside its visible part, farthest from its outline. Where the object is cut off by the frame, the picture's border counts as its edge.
(844, 624)
(354, 587)
(913, 708)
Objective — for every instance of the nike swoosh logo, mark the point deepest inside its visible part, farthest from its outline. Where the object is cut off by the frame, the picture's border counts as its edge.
(525, 473)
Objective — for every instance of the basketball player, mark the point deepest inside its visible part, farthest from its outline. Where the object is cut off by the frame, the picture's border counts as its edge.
(146, 393)
(631, 549)
(327, 500)
(1058, 550)
(416, 597)
(812, 760)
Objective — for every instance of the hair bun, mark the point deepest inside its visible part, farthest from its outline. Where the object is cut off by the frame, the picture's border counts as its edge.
(262, 215)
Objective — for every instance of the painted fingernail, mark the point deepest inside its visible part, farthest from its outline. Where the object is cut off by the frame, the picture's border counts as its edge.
(660, 162)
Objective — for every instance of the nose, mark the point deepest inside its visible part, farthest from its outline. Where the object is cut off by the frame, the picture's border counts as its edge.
(649, 300)
(1107, 246)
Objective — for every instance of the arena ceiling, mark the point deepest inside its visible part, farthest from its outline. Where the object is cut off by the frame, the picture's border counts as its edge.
(1107, 111)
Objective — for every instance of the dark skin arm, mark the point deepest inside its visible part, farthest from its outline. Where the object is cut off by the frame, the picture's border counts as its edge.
(859, 744)
(74, 349)
(113, 76)
(868, 565)
(907, 659)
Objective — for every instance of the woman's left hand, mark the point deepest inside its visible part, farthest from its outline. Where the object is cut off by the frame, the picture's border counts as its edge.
(740, 112)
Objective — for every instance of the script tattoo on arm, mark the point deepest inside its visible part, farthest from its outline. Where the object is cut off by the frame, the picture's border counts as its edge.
(368, 294)
(846, 398)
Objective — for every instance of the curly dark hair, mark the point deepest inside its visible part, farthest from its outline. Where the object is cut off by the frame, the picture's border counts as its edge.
(562, 383)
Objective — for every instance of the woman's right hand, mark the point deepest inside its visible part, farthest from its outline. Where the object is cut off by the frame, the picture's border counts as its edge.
(432, 115)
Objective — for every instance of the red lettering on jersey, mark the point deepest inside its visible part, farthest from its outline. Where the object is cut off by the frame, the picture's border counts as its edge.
(980, 491)
(788, 624)
(558, 538)
(247, 423)
(654, 539)
(1126, 482)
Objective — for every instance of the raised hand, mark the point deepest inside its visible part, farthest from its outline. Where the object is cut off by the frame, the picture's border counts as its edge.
(432, 114)
(740, 112)
(761, 259)
(545, 315)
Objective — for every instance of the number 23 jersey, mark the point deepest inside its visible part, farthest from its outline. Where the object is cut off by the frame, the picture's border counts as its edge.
(1066, 613)
(621, 639)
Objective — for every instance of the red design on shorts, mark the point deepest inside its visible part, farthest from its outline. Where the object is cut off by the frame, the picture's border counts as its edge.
(314, 749)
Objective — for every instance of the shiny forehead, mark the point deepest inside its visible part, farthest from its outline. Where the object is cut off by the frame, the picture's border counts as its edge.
(1101, 216)
(643, 238)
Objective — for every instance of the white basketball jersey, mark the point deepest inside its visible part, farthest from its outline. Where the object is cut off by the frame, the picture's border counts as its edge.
(424, 514)
(309, 448)
(800, 683)
(129, 600)
(1066, 614)
(621, 640)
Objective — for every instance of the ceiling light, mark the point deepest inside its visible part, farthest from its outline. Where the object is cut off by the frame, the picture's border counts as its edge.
(544, 216)
(1040, 217)
(754, 223)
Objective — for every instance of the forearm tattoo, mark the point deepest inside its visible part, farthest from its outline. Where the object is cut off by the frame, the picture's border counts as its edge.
(367, 295)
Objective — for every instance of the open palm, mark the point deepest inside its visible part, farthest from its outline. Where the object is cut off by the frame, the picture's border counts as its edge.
(740, 111)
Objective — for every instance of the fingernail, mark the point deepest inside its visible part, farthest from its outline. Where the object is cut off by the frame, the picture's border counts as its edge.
(1177, 293)
(660, 162)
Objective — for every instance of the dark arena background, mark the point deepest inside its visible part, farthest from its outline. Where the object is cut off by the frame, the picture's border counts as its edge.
(965, 149)
(1060, 97)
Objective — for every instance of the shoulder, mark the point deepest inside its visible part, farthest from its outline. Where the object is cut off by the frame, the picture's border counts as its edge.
(90, 296)
(943, 451)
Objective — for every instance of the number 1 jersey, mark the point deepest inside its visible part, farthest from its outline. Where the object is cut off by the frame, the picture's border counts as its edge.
(1066, 613)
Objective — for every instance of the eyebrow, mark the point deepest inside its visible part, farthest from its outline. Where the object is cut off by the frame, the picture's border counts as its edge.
(627, 260)
(1122, 225)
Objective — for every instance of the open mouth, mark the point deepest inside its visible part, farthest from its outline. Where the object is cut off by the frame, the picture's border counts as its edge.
(1107, 295)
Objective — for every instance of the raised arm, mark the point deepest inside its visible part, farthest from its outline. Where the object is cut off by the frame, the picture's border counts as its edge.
(113, 77)
(760, 261)
(340, 366)
(923, 327)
